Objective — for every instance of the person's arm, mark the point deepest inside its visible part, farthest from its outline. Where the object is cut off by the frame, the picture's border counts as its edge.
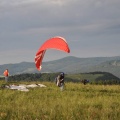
(62, 80)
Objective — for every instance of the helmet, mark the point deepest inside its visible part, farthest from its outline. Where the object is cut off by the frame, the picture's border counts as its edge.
(62, 73)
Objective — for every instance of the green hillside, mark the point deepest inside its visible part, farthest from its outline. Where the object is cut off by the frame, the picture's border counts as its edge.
(69, 65)
(93, 77)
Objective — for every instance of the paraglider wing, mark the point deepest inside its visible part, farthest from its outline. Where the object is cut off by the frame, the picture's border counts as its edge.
(58, 43)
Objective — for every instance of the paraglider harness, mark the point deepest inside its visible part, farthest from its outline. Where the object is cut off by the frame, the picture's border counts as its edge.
(60, 79)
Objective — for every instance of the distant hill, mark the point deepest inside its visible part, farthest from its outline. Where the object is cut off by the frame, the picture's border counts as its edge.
(68, 65)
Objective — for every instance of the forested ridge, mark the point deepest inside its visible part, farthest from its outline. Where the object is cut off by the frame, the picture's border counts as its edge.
(93, 77)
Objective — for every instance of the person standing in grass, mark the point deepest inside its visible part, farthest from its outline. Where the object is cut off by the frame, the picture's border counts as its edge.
(6, 74)
(60, 80)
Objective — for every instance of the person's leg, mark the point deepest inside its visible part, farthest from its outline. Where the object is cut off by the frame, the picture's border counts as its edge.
(6, 79)
(62, 86)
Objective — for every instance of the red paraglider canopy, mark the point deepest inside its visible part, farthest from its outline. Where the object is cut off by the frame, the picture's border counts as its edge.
(58, 43)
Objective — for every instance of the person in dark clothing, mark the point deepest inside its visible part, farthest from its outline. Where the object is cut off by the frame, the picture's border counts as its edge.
(60, 80)
(85, 81)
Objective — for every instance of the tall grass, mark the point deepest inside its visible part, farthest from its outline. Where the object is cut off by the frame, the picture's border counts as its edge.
(75, 102)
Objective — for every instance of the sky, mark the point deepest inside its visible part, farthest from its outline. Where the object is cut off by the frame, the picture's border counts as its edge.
(90, 27)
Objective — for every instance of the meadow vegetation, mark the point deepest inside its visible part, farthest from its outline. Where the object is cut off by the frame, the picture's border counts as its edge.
(75, 102)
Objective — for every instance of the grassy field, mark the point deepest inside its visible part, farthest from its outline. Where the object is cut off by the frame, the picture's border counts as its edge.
(75, 102)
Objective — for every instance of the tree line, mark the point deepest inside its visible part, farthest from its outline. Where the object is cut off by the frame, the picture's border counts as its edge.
(107, 78)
